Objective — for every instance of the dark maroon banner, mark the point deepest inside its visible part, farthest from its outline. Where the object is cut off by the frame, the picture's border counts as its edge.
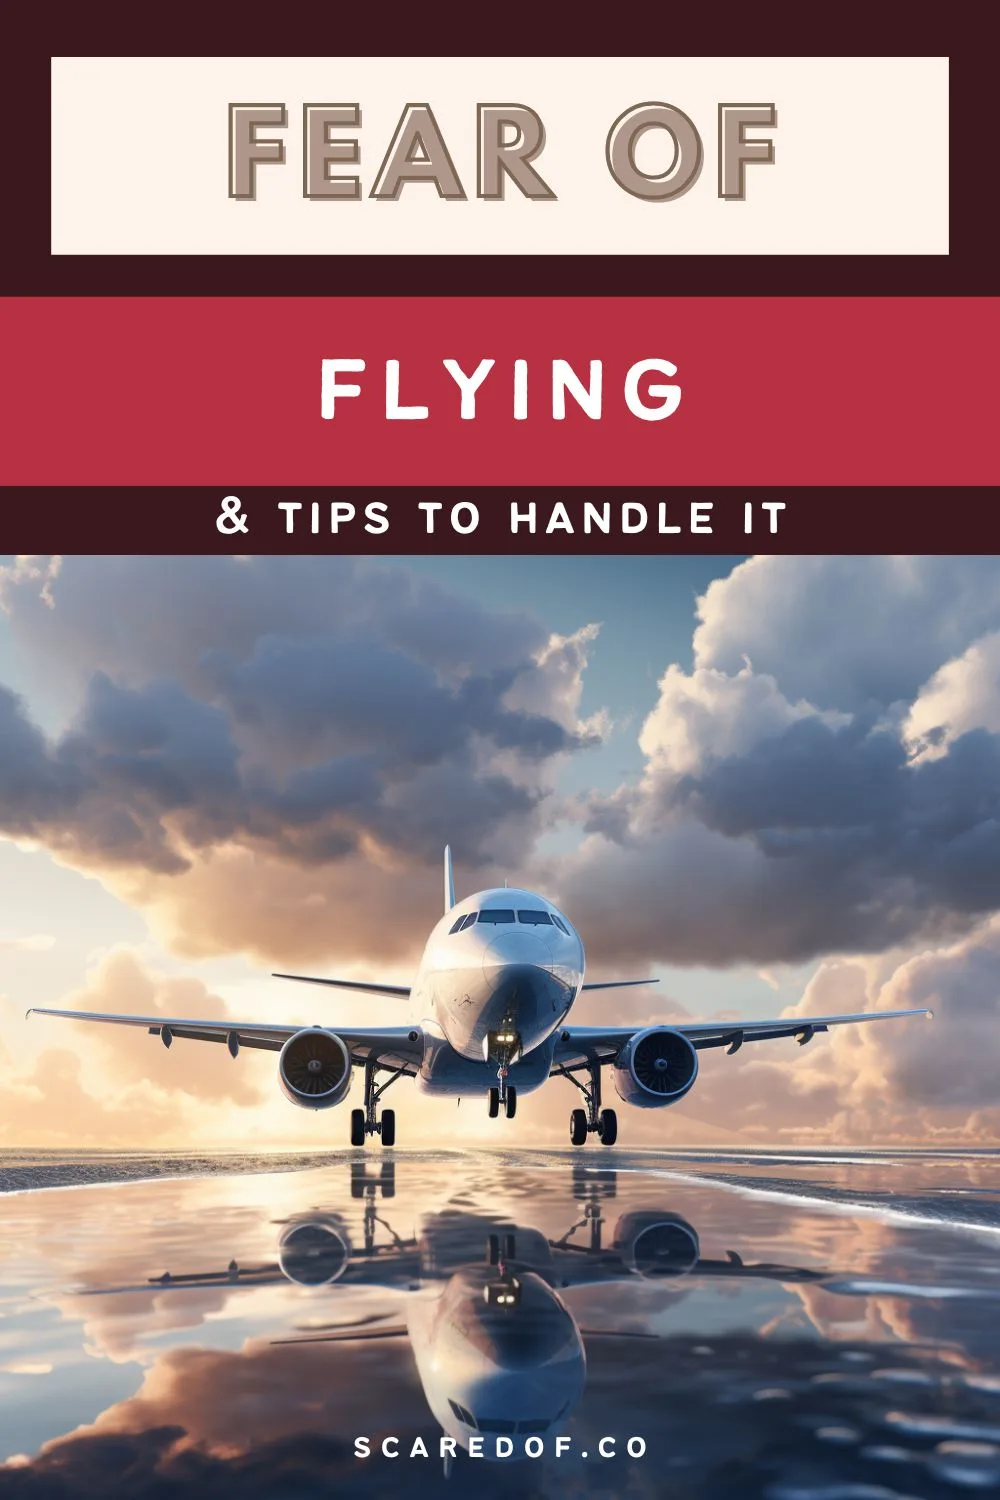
(227, 392)
(484, 520)
(122, 28)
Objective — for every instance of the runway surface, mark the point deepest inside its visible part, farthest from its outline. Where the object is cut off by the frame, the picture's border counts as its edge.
(788, 1325)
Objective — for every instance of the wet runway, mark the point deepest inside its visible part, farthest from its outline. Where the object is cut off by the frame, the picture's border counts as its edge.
(796, 1326)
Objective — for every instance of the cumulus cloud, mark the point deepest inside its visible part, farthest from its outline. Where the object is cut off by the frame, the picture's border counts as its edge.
(885, 1083)
(962, 695)
(708, 714)
(315, 715)
(68, 1083)
(785, 810)
(845, 632)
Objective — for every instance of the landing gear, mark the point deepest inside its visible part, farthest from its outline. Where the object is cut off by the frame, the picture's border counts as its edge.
(593, 1119)
(508, 1099)
(500, 1249)
(502, 1096)
(365, 1122)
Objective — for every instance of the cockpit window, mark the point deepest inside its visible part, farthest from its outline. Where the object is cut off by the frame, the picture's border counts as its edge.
(461, 1413)
(496, 1424)
(463, 922)
(539, 1426)
(469, 920)
(496, 914)
(457, 925)
(560, 924)
(534, 918)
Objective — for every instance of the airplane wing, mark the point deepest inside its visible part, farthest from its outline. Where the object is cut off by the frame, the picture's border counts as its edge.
(579, 1046)
(234, 1275)
(395, 1046)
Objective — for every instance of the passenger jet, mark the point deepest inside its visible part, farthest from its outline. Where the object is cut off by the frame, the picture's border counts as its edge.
(490, 1006)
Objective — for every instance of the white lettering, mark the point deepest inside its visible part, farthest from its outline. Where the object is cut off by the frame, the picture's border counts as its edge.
(330, 388)
(469, 384)
(393, 411)
(669, 396)
(565, 379)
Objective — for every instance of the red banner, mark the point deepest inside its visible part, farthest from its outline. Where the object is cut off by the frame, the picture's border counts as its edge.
(767, 391)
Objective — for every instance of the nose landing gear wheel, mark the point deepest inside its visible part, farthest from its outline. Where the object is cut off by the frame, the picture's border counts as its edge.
(607, 1127)
(357, 1127)
(494, 1103)
(511, 1103)
(578, 1127)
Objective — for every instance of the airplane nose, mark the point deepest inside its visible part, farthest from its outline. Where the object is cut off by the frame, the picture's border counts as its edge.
(520, 948)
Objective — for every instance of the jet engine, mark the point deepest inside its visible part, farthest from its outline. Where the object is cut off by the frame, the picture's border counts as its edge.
(657, 1244)
(314, 1251)
(658, 1066)
(314, 1068)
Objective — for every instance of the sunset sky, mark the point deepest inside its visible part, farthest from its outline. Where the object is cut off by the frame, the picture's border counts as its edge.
(773, 782)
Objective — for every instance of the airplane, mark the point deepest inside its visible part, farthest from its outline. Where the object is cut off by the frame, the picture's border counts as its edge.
(499, 975)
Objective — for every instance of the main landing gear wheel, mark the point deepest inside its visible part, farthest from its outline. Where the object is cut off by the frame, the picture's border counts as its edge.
(494, 1103)
(511, 1103)
(365, 1121)
(582, 1122)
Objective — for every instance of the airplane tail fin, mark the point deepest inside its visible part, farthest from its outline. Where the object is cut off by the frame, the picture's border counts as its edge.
(449, 880)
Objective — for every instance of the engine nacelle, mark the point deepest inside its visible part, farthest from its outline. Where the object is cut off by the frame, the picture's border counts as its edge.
(314, 1068)
(657, 1067)
(314, 1251)
(657, 1244)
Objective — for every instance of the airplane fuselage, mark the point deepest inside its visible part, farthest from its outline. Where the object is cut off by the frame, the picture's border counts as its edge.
(498, 976)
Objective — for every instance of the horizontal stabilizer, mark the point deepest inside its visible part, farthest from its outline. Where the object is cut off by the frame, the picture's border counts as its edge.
(399, 990)
(617, 984)
(349, 1336)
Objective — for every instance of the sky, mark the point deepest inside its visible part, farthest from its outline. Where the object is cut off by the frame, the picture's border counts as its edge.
(772, 782)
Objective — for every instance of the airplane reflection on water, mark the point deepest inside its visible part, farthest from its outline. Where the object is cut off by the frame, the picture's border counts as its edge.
(497, 1349)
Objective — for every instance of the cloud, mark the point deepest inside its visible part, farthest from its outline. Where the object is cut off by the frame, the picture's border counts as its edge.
(962, 695)
(845, 632)
(31, 942)
(708, 714)
(117, 1086)
(884, 1083)
(318, 716)
(785, 810)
